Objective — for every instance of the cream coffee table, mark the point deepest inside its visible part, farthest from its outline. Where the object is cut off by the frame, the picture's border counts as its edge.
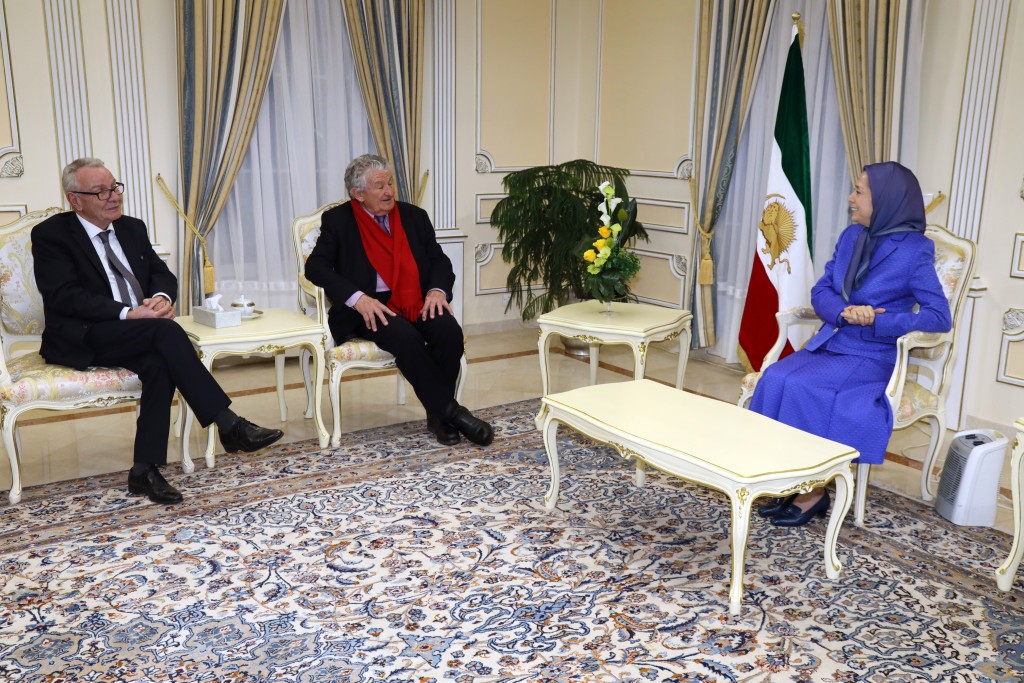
(273, 332)
(634, 324)
(707, 442)
(1008, 570)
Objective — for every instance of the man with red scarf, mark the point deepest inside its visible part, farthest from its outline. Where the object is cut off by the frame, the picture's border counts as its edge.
(388, 280)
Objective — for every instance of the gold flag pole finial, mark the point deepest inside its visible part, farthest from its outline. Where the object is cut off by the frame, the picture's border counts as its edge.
(799, 28)
(208, 278)
(938, 199)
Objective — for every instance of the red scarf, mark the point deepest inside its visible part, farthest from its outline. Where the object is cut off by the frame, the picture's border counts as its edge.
(391, 257)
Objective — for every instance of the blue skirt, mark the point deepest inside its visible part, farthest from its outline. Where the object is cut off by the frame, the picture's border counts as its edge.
(833, 395)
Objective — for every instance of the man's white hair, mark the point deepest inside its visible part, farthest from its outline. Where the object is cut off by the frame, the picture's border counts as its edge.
(360, 168)
(69, 176)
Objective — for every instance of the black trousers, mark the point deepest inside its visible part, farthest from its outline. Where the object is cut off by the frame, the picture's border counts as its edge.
(160, 353)
(427, 352)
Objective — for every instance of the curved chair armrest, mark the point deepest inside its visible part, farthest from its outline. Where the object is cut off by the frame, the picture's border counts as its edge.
(5, 374)
(910, 341)
(801, 315)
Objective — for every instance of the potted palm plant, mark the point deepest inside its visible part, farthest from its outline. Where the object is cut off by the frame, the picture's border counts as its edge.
(548, 211)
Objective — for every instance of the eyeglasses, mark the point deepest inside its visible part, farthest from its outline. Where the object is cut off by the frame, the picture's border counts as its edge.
(104, 195)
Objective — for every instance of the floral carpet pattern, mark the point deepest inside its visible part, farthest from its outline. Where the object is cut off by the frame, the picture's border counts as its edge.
(394, 559)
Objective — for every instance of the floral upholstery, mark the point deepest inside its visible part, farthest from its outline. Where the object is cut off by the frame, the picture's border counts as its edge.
(21, 306)
(357, 349)
(915, 399)
(33, 379)
(749, 382)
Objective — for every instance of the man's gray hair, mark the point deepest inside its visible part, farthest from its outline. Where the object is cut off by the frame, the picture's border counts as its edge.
(362, 166)
(69, 176)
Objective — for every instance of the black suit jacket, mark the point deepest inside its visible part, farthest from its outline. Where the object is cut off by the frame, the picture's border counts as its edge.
(75, 288)
(339, 263)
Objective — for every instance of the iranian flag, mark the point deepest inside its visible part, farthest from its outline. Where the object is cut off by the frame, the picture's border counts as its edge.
(782, 273)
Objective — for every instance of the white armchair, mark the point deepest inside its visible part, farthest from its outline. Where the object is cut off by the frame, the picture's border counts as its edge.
(27, 382)
(920, 382)
(353, 354)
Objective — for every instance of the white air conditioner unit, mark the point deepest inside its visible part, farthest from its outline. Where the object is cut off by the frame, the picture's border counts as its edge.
(969, 483)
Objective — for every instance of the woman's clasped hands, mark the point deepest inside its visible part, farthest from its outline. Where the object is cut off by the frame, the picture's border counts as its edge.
(860, 315)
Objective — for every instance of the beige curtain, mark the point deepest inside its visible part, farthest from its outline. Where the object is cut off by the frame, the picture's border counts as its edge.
(733, 34)
(225, 51)
(387, 42)
(864, 38)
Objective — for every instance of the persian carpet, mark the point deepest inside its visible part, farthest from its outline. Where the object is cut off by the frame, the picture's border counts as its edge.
(394, 559)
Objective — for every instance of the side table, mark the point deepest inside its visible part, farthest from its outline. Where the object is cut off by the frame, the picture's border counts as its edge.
(273, 332)
(634, 324)
(1008, 570)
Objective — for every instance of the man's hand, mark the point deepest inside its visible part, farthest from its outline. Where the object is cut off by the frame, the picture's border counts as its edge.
(156, 307)
(435, 303)
(860, 315)
(373, 312)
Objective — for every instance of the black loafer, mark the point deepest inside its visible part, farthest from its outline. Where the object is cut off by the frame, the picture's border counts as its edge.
(152, 484)
(473, 428)
(775, 506)
(446, 434)
(245, 436)
(794, 516)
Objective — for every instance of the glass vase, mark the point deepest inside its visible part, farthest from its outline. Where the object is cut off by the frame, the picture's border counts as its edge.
(607, 308)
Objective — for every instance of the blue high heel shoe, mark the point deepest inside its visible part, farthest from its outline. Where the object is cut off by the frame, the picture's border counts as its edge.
(794, 516)
(775, 506)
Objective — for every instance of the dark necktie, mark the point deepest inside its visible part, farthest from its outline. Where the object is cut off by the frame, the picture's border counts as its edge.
(383, 222)
(122, 275)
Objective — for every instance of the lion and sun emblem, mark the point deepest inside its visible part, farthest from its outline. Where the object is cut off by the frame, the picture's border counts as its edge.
(779, 230)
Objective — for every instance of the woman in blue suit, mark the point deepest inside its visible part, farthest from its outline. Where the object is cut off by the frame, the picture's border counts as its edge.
(879, 285)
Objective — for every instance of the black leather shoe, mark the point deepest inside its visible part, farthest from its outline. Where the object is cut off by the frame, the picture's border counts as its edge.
(152, 484)
(473, 428)
(794, 516)
(775, 506)
(445, 433)
(245, 436)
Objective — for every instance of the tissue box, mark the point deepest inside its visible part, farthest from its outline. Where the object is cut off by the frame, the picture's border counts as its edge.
(211, 318)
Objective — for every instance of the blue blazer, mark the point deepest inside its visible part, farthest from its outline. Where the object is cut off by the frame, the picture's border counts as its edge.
(901, 279)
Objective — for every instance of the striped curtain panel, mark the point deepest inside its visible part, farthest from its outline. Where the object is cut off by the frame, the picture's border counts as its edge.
(387, 43)
(225, 51)
(733, 34)
(864, 36)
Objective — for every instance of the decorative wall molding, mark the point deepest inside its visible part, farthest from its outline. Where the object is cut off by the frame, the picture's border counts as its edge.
(444, 114)
(483, 254)
(485, 162)
(1013, 334)
(479, 212)
(682, 229)
(130, 116)
(676, 266)
(67, 71)
(1017, 256)
(12, 164)
(977, 111)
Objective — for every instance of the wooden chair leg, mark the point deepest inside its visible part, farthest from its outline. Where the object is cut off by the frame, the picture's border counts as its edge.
(861, 495)
(400, 388)
(10, 425)
(938, 425)
(335, 390)
(304, 361)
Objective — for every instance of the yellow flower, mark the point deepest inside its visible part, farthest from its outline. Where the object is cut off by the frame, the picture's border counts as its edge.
(599, 245)
(589, 255)
(604, 232)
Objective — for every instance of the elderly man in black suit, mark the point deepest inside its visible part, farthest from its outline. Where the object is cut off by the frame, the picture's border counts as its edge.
(379, 263)
(108, 299)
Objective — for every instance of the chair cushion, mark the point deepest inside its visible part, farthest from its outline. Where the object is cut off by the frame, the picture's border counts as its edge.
(915, 399)
(33, 379)
(358, 349)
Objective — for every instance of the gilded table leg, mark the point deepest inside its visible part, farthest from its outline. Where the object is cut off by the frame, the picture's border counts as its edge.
(844, 498)
(595, 361)
(318, 384)
(550, 431)
(543, 344)
(1007, 571)
(640, 359)
(279, 371)
(684, 355)
(211, 431)
(741, 505)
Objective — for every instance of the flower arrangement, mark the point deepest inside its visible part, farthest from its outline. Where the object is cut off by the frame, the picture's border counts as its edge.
(609, 264)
